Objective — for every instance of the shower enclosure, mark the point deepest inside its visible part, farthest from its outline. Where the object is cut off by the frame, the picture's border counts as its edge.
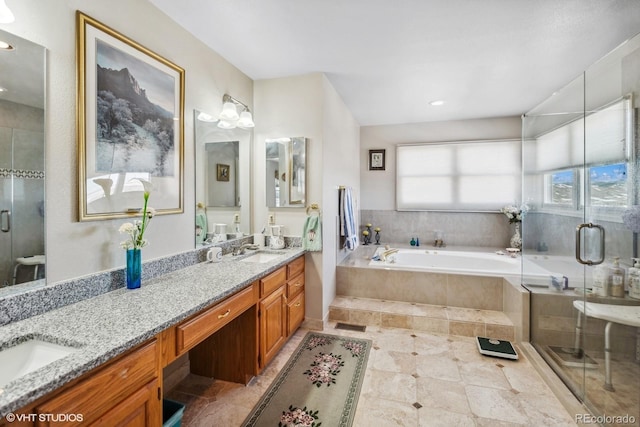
(581, 190)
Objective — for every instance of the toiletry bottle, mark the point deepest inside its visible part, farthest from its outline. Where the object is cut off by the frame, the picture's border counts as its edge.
(616, 278)
(417, 241)
(601, 280)
(413, 241)
(634, 279)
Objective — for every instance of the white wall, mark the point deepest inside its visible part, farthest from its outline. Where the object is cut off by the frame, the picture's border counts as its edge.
(378, 187)
(308, 106)
(73, 248)
(341, 145)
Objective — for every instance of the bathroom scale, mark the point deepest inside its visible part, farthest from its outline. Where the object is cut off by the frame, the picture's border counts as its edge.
(496, 348)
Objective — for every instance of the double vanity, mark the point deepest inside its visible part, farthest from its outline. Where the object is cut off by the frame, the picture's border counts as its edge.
(102, 358)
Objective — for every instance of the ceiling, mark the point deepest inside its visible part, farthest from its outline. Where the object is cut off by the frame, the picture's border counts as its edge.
(389, 59)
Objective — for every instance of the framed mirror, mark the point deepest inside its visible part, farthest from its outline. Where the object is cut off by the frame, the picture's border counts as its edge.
(286, 176)
(223, 161)
(22, 171)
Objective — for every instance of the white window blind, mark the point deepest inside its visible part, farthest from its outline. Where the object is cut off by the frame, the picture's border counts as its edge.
(460, 176)
(605, 141)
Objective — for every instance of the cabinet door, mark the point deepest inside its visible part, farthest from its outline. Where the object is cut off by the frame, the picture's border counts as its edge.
(295, 313)
(273, 323)
(97, 394)
(140, 409)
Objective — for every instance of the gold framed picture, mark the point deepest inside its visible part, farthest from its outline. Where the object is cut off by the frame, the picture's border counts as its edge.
(130, 125)
(222, 172)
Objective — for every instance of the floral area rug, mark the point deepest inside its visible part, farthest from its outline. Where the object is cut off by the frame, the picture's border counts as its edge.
(319, 385)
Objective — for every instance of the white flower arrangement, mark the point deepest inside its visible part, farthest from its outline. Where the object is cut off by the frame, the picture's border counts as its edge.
(136, 230)
(514, 213)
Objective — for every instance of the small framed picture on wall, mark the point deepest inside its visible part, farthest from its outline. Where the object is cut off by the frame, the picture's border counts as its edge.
(376, 160)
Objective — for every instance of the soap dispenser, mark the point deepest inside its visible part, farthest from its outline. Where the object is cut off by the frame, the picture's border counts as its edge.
(617, 278)
(601, 285)
(634, 279)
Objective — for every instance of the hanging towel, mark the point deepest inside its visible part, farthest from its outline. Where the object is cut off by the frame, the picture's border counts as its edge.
(201, 227)
(347, 219)
(312, 233)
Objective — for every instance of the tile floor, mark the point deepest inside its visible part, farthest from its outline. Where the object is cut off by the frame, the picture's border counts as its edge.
(413, 378)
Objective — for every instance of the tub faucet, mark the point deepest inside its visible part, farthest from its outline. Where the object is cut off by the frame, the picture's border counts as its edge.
(386, 253)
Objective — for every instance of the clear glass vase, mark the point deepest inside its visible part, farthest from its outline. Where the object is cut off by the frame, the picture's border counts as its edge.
(134, 268)
(516, 239)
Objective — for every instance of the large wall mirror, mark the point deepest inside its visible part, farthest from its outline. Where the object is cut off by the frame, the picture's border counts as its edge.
(22, 141)
(286, 176)
(223, 162)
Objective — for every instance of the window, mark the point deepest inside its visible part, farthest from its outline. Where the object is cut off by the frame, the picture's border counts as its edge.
(560, 188)
(608, 185)
(461, 176)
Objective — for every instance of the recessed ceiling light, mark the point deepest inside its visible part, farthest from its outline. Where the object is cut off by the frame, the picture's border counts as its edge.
(437, 103)
(2, 89)
(5, 46)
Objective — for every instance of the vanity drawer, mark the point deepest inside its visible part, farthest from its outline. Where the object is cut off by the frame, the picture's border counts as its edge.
(106, 387)
(295, 286)
(295, 267)
(194, 331)
(273, 281)
(295, 313)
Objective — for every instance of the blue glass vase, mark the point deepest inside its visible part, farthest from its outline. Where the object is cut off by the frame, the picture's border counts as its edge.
(134, 268)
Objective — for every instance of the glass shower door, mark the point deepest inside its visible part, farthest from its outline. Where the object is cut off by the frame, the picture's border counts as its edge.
(6, 205)
(610, 199)
(579, 237)
(553, 157)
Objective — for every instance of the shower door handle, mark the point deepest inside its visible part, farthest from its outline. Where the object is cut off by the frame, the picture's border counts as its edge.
(579, 244)
(5, 225)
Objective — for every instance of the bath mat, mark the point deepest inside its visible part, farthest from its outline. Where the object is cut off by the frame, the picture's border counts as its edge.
(320, 384)
(351, 327)
(567, 357)
(496, 348)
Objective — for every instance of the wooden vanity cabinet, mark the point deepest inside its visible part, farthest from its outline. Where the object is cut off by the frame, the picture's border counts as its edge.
(272, 315)
(281, 308)
(126, 392)
(295, 296)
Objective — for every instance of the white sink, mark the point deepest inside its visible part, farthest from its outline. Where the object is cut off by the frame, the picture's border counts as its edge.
(29, 356)
(261, 257)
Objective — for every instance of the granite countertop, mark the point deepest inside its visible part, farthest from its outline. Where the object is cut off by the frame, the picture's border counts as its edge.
(108, 325)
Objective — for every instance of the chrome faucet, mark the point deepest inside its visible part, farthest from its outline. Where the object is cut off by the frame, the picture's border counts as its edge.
(239, 250)
(439, 243)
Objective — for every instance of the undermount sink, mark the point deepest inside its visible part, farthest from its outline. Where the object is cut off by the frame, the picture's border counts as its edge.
(261, 257)
(29, 356)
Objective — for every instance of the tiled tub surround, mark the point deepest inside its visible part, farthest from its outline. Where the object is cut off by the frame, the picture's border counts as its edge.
(484, 229)
(108, 325)
(457, 304)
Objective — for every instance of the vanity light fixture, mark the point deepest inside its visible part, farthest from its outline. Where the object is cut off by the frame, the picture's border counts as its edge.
(6, 16)
(229, 117)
